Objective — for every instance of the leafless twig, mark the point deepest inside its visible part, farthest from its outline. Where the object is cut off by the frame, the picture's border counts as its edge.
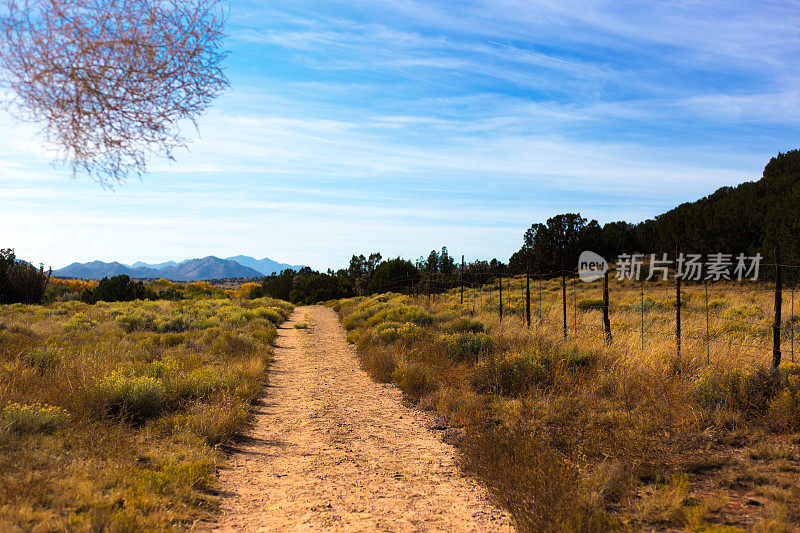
(111, 81)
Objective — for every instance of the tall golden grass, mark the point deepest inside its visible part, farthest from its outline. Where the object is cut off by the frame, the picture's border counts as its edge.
(577, 434)
(112, 415)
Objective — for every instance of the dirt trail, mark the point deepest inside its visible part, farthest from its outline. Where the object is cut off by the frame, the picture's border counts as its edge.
(333, 450)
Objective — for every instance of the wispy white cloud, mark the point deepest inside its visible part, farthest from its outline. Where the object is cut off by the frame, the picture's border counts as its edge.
(402, 125)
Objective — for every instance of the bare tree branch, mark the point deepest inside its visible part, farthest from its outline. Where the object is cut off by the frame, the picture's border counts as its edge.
(111, 81)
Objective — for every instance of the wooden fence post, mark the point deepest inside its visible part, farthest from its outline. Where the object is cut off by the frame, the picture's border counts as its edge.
(776, 327)
(606, 320)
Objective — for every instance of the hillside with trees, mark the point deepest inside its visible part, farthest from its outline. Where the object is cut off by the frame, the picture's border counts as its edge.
(749, 218)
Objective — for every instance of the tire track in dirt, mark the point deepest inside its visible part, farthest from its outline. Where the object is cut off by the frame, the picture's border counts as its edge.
(332, 450)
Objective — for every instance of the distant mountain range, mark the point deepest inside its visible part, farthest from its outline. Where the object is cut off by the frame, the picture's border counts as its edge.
(157, 266)
(266, 266)
(210, 267)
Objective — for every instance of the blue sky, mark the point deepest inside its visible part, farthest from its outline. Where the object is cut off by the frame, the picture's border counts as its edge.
(401, 126)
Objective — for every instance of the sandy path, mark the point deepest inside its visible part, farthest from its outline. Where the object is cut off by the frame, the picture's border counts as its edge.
(333, 450)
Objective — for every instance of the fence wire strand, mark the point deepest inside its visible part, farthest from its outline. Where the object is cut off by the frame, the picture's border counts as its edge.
(482, 292)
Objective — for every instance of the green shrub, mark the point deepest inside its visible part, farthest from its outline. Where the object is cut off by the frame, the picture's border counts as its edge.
(284, 309)
(512, 375)
(389, 335)
(266, 334)
(397, 312)
(745, 312)
(448, 315)
(159, 369)
(784, 409)
(637, 303)
(742, 330)
(390, 332)
(79, 321)
(466, 345)
(136, 320)
(201, 384)
(415, 379)
(576, 357)
(134, 398)
(177, 477)
(746, 391)
(301, 325)
(410, 332)
(42, 359)
(210, 335)
(34, 418)
(233, 315)
(416, 315)
(387, 331)
(261, 323)
(387, 325)
(176, 323)
(362, 314)
(232, 343)
(270, 313)
(464, 324)
(205, 323)
(171, 339)
(755, 393)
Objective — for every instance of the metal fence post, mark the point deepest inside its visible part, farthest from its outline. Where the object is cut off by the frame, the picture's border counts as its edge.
(606, 320)
(528, 296)
(776, 327)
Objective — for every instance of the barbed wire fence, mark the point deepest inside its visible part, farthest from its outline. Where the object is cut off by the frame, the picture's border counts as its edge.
(522, 297)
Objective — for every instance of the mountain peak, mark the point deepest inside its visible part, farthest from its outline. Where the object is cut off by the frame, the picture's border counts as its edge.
(266, 266)
(205, 268)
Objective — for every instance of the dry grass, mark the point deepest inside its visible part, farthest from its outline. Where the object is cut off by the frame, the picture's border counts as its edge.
(576, 434)
(112, 413)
